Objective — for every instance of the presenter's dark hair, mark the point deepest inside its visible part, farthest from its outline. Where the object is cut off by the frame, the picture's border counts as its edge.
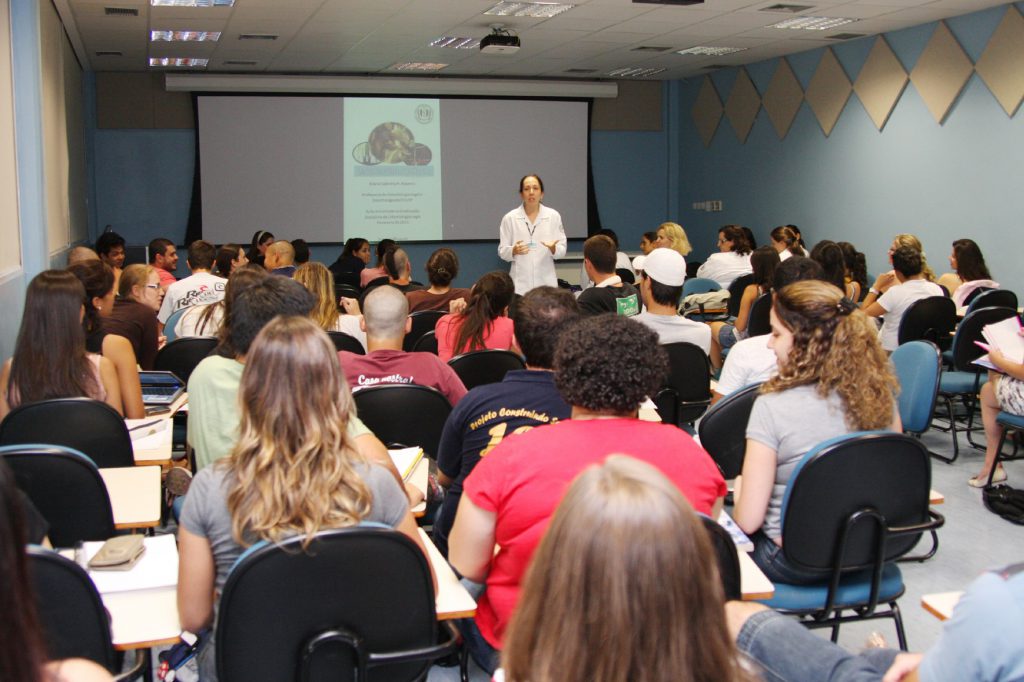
(522, 180)
(353, 245)
(970, 264)
(442, 267)
(539, 318)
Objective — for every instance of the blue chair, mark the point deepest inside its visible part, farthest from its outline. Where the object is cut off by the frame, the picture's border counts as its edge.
(700, 285)
(854, 505)
(1011, 423)
(991, 298)
(172, 322)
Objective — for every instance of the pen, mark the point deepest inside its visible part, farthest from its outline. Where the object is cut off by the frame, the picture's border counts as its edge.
(142, 426)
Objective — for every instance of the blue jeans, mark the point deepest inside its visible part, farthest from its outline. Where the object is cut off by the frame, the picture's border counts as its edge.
(770, 558)
(788, 652)
(485, 655)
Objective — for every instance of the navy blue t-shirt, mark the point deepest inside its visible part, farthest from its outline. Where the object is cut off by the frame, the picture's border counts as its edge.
(523, 400)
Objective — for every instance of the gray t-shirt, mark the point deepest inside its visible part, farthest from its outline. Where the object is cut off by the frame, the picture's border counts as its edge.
(677, 329)
(206, 510)
(792, 422)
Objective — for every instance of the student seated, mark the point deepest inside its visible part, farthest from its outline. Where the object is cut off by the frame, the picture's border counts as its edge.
(208, 319)
(386, 321)
(725, 334)
(661, 286)
(163, 256)
(969, 272)
(833, 378)
(279, 258)
(133, 315)
(369, 274)
(605, 366)
(732, 259)
(626, 544)
(353, 260)
(622, 261)
(1004, 391)
(295, 468)
(319, 281)
(483, 323)
(893, 293)
(786, 241)
(442, 268)
(202, 286)
(608, 293)
(830, 256)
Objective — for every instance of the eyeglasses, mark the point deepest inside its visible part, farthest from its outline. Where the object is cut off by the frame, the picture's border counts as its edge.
(152, 286)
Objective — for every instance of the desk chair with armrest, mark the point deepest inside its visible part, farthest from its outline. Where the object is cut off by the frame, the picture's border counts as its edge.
(343, 341)
(423, 321)
(726, 557)
(723, 430)
(480, 367)
(404, 414)
(687, 390)
(182, 355)
(426, 343)
(736, 290)
(854, 505)
(92, 427)
(759, 323)
(929, 319)
(172, 322)
(358, 604)
(990, 298)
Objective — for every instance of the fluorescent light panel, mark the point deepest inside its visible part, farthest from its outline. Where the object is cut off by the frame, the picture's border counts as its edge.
(710, 51)
(185, 36)
(529, 9)
(178, 61)
(635, 72)
(192, 3)
(418, 66)
(813, 23)
(458, 43)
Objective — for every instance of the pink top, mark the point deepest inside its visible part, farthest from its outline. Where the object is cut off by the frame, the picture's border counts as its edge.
(500, 335)
(367, 275)
(14, 397)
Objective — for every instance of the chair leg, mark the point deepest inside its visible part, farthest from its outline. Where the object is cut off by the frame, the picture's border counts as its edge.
(835, 630)
(897, 617)
(464, 663)
(952, 429)
(970, 405)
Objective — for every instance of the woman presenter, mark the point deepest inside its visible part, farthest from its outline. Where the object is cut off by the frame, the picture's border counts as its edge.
(532, 238)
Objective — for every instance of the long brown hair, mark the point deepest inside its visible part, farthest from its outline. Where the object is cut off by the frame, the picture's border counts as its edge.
(835, 348)
(49, 356)
(98, 279)
(490, 296)
(624, 586)
(319, 281)
(293, 467)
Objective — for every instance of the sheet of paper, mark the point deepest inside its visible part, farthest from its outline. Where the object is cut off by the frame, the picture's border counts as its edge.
(149, 434)
(406, 459)
(1005, 336)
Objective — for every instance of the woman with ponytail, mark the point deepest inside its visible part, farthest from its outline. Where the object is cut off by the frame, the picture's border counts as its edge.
(484, 323)
(833, 374)
(787, 242)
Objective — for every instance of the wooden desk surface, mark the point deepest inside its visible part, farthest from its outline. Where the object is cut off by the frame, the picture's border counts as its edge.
(151, 439)
(941, 604)
(134, 495)
(453, 601)
(143, 618)
(753, 583)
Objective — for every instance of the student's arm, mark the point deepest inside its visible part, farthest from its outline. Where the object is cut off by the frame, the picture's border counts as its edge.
(750, 294)
(471, 542)
(196, 573)
(108, 377)
(373, 450)
(759, 466)
(118, 350)
(870, 304)
(5, 378)
(1005, 365)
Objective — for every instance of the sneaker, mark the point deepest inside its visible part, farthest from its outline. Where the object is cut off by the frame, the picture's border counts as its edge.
(982, 481)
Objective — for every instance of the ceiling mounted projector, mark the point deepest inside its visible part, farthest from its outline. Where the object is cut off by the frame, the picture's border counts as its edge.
(499, 41)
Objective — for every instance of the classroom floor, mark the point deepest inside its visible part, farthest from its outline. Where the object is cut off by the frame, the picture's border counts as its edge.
(972, 540)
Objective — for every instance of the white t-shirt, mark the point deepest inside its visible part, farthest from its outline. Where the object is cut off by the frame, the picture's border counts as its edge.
(189, 322)
(896, 300)
(202, 287)
(677, 329)
(750, 361)
(725, 267)
(349, 324)
(536, 268)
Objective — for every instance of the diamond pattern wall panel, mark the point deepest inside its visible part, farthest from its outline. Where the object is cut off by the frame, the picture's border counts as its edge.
(742, 106)
(707, 111)
(783, 98)
(1001, 65)
(881, 82)
(828, 91)
(941, 72)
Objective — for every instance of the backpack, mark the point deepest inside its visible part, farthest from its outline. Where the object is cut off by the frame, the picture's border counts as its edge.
(1006, 501)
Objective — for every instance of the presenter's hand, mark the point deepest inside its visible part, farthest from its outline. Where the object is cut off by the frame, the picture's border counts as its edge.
(520, 249)
(551, 245)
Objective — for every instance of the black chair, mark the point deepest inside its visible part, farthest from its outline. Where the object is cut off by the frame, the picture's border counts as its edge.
(480, 367)
(760, 316)
(727, 558)
(346, 290)
(404, 414)
(426, 343)
(929, 319)
(626, 275)
(991, 298)
(343, 341)
(723, 430)
(72, 615)
(357, 604)
(92, 427)
(687, 390)
(66, 488)
(423, 321)
(854, 505)
(964, 381)
(182, 355)
(736, 293)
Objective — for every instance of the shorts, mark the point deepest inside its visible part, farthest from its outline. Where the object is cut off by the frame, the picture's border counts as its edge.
(1010, 394)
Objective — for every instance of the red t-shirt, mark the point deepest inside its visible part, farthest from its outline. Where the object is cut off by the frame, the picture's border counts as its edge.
(499, 335)
(525, 477)
(400, 367)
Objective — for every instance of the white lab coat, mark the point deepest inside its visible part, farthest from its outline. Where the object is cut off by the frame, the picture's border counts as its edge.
(536, 268)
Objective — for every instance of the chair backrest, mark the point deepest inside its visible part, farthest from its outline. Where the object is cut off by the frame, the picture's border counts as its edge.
(66, 488)
(759, 322)
(480, 367)
(426, 343)
(74, 621)
(172, 322)
(423, 321)
(626, 275)
(885, 473)
(404, 414)
(965, 351)
(370, 583)
(918, 366)
(343, 341)
(723, 430)
(991, 298)
(928, 319)
(726, 556)
(92, 427)
(736, 293)
(182, 355)
(687, 391)
(346, 290)
(700, 285)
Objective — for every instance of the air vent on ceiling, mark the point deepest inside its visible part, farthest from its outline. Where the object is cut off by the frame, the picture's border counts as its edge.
(580, 71)
(257, 36)
(240, 62)
(668, 2)
(109, 53)
(845, 36)
(121, 11)
(785, 8)
(650, 48)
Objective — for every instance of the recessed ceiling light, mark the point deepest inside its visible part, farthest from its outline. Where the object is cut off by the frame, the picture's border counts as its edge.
(529, 9)
(178, 61)
(710, 51)
(456, 42)
(190, 36)
(813, 23)
(191, 3)
(635, 72)
(417, 66)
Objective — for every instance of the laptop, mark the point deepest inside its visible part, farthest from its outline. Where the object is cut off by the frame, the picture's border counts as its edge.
(160, 389)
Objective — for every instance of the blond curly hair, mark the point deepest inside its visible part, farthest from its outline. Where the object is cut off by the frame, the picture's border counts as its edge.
(835, 348)
(676, 236)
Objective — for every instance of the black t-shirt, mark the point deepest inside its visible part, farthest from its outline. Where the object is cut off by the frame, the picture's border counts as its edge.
(621, 300)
